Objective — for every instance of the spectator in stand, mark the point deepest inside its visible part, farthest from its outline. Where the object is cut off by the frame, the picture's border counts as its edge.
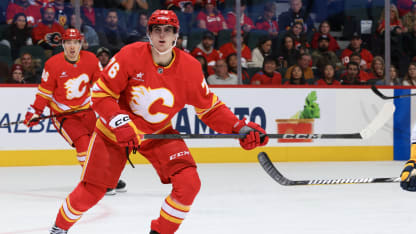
(32, 12)
(222, 76)
(179, 5)
(187, 19)
(206, 48)
(410, 77)
(48, 33)
(103, 54)
(296, 76)
(324, 29)
(268, 22)
(139, 33)
(404, 6)
(300, 38)
(323, 56)
(328, 76)
(231, 47)
(63, 12)
(376, 70)
(351, 76)
(363, 74)
(356, 57)
(296, 13)
(88, 12)
(409, 19)
(355, 46)
(288, 54)
(394, 78)
(394, 20)
(112, 35)
(16, 76)
(134, 5)
(31, 69)
(303, 62)
(263, 49)
(90, 35)
(245, 21)
(204, 65)
(210, 18)
(232, 65)
(268, 75)
(18, 34)
(409, 43)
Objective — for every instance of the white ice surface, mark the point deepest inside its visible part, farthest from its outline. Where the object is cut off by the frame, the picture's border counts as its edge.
(234, 199)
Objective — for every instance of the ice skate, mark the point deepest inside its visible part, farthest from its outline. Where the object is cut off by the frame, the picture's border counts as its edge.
(57, 230)
(110, 192)
(121, 187)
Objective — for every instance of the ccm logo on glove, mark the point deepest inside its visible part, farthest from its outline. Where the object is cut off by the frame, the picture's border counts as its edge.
(119, 120)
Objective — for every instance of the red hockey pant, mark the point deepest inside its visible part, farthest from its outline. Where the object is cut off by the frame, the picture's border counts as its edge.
(104, 164)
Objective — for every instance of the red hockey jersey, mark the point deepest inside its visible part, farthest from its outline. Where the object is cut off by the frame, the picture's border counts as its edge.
(66, 86)
(260, 78)
(51, 35)
(229, 48)
(152, 95)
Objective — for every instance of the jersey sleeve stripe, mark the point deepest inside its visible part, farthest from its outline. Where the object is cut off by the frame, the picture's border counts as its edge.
(201, 114)
(100, 95)
(45, 91)
(214, 102)
(47, 97)
(104, 87)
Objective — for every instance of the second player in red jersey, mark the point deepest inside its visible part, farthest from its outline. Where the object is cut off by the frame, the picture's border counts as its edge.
(65, 87)
(139, 92)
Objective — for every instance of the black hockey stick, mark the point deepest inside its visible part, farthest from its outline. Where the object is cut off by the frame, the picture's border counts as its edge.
(380, 94)
(273, 136)
(268, 166)
(44, 117)
(381, 118)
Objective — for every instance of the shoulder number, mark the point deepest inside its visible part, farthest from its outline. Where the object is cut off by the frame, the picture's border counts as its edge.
(114, 67)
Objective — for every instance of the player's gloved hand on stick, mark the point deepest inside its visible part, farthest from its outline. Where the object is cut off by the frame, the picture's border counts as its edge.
(254, 135)
(408, 176)
(32, 116)
(125, 131)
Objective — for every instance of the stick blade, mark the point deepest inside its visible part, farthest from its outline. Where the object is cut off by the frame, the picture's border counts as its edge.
(379, 121)
(378, 93)
(270, 169)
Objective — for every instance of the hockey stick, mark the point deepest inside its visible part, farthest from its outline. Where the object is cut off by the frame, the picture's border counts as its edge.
(380, 94)
(268, 166)
(43, 117)
(382, 117)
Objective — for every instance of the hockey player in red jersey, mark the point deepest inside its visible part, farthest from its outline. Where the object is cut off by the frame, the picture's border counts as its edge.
(65, 87)
(139, 91)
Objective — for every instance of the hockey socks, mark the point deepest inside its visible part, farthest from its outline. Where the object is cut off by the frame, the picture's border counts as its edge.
(84, 196)
(81, 145)
(175, 207)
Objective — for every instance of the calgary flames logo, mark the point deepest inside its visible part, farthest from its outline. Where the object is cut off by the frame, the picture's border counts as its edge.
(143, 98)
(53, 39)
(73, 86)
